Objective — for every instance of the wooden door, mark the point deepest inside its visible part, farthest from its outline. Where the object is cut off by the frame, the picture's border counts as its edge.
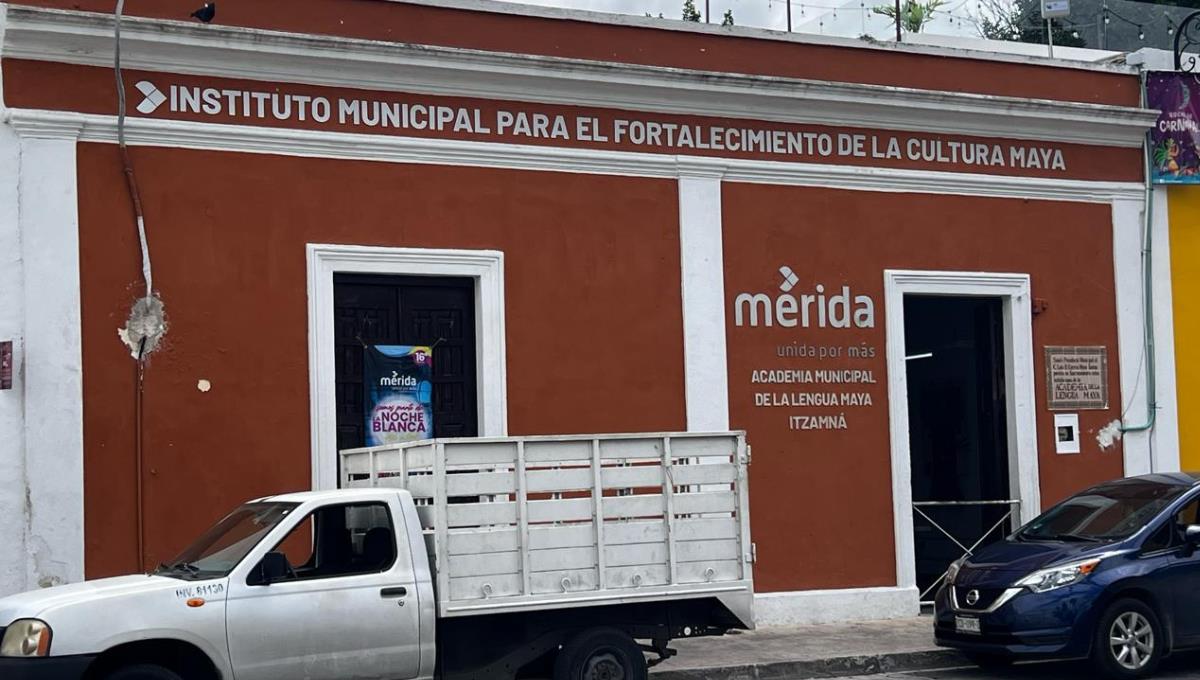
(407, 310)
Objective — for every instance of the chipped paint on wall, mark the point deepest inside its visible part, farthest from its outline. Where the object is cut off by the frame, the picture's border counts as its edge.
(1109, 435)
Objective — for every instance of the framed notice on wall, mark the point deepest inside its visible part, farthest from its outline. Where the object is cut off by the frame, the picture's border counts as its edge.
(398, 393)
(1076, 377)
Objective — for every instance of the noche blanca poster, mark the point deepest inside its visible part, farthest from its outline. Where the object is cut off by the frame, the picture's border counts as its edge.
(398, 393)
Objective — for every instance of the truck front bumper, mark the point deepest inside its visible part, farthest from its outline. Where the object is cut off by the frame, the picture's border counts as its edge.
(56, 667)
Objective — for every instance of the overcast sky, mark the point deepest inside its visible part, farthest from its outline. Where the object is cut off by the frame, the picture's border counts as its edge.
(849, 18)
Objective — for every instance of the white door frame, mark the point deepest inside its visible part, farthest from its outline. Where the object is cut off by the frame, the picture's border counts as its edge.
(485, 266)
(1014, 291)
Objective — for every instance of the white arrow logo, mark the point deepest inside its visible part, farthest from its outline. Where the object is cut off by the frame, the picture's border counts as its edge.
(789, 278)
(153, 98)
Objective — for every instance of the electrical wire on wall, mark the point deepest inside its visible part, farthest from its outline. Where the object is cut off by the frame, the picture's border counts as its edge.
(130, 178)
(147, 322)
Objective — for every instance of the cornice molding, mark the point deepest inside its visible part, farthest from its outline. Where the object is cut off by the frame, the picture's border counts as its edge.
(177, 47)
(392, 149)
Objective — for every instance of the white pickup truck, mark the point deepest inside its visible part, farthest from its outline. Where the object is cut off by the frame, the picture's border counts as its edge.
(563, 557)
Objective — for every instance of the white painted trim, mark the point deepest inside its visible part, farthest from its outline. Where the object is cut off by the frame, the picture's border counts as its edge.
(48, 217)
(702, 268)
(1156, 450)
(1127, 272)
(1165, 437)
(1014, 290)
(804, 607)
(322, 144)
(271, 56)
(13, 519)
(485, 266)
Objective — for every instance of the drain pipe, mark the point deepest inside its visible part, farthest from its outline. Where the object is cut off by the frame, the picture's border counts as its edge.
(1147, 288)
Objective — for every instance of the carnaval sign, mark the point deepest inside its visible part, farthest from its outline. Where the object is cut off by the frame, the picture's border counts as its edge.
(1175, 139)
(397, 393)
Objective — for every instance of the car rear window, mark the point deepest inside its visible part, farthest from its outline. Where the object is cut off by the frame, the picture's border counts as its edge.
(1107, 512)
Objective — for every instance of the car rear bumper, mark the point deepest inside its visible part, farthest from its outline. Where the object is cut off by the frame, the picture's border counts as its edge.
(56, 667)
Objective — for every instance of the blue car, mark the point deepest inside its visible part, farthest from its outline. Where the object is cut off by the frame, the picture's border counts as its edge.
(1111, 574)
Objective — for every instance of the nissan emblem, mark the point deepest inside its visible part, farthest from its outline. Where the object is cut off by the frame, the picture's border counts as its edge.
(972, 597)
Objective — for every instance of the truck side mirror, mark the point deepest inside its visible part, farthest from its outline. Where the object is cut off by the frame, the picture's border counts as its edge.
(271, 568)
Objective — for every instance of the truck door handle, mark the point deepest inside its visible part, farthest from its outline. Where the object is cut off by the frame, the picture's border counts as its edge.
(398, 591)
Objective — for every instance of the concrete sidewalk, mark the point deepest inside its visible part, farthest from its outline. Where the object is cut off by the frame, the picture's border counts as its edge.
(816, 651)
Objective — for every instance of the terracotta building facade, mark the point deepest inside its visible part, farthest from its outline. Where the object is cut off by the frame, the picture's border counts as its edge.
(911, 275)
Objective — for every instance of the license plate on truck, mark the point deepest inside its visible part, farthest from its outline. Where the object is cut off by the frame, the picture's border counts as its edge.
(966, 624)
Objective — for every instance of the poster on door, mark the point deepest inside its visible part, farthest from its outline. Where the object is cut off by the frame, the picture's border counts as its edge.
(398, 393)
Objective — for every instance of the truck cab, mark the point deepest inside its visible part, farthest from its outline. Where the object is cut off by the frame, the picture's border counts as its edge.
(315, 585)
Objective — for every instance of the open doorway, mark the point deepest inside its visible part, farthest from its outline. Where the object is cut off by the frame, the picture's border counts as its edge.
(955, 369)
(1015, 343)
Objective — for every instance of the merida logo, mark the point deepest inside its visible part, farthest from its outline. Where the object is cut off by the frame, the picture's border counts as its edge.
(153, 97)
(837, 310)
(397, 380)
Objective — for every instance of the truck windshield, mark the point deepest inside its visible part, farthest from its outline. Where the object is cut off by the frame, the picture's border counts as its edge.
(219, 549)
(1108, 512)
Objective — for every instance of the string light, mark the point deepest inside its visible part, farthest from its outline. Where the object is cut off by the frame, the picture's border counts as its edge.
(1141, 33)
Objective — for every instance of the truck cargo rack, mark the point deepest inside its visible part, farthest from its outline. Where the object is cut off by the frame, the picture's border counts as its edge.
(567, 521)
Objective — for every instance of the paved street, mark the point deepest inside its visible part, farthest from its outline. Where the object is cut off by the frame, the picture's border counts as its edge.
(1178, 668)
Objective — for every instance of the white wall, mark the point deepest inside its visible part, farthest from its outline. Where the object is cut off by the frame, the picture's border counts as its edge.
(1165, 438)
(41, 417)
(12, 402)
(48, 219)
(702, 266)
(1155, 450)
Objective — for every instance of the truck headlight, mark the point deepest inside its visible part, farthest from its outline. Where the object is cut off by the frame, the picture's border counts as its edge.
(26, 637)
(1057, 577)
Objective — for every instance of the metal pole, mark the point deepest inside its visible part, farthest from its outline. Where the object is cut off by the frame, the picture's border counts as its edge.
(706, 11)
(789, 15)
(1050, 37)
(898, 38)
(1104, 26)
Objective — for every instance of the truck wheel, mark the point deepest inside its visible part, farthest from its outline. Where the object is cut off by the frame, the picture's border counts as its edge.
(143, 671)
(600, 654)
(1128, 641)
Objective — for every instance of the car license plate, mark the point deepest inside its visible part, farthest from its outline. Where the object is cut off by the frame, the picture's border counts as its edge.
(966, 624)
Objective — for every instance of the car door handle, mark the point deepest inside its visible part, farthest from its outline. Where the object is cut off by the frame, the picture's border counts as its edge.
(398, 591)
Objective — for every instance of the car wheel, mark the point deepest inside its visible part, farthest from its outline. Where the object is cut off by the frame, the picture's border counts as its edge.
(1129, 640)
(600, 654)
(984, 660)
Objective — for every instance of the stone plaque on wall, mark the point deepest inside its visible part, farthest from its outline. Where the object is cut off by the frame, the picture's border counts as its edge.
(1077, 377)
